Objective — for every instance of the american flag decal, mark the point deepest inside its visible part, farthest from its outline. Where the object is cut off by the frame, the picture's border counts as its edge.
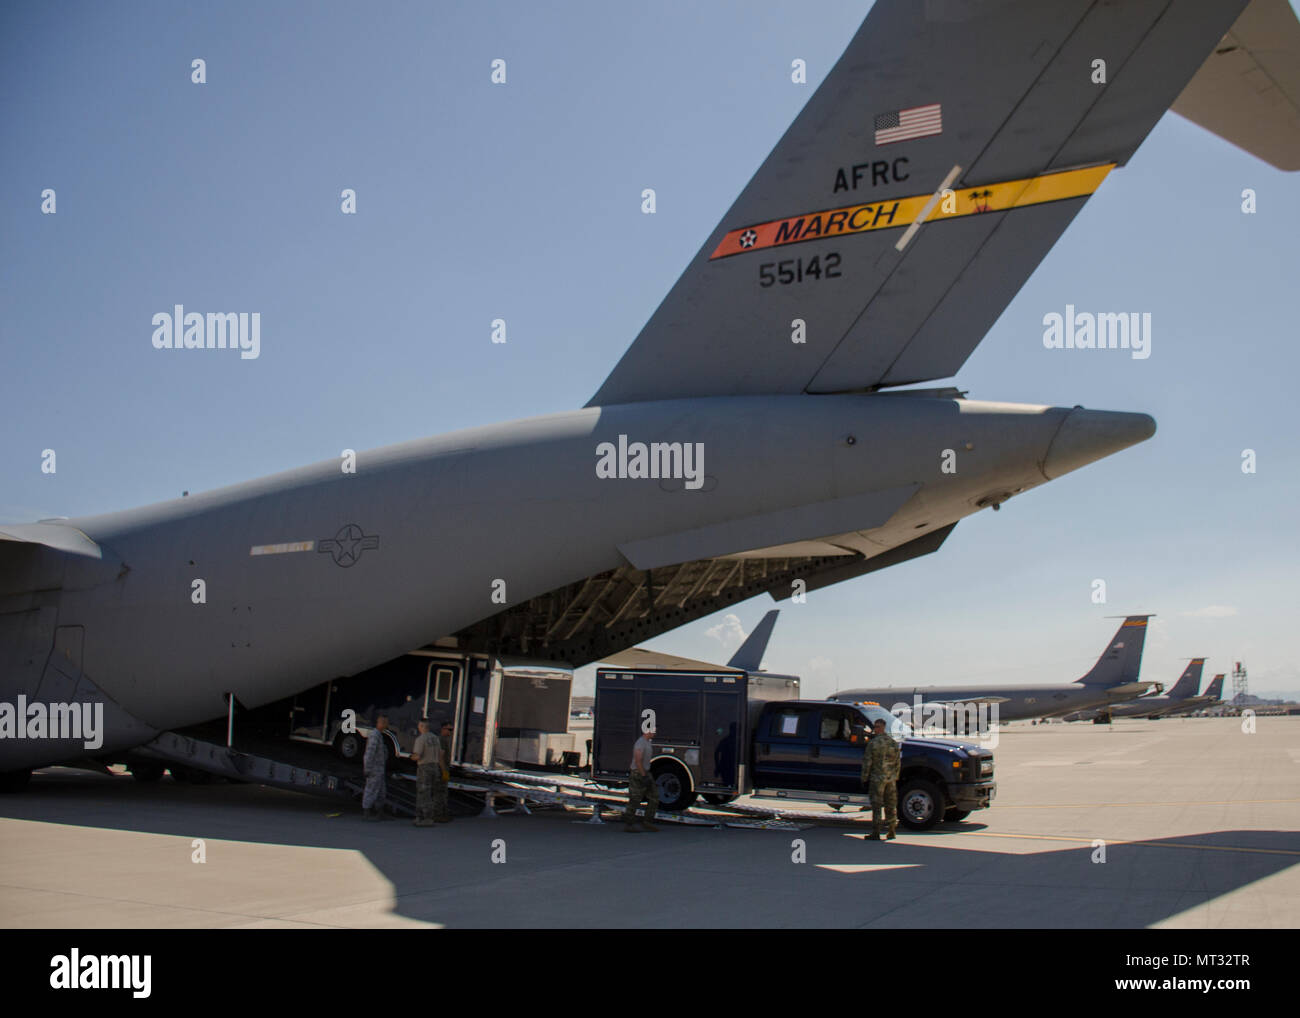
(900, 125)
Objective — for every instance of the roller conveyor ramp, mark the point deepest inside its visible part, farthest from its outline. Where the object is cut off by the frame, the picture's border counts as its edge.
(301, 769)
(276, 765)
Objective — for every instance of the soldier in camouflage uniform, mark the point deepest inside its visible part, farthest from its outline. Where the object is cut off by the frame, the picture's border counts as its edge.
(427, 755)
(440, 812)
(641, 786)
(375, 766)
(880, 766)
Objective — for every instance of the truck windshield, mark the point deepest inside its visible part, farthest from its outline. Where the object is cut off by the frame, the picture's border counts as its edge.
(896, 727)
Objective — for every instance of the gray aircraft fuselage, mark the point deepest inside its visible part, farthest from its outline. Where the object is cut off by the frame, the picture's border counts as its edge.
(317, 572)
(1014, 703)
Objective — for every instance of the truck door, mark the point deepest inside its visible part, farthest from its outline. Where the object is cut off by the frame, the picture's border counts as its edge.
(783, 747)
(836, 758)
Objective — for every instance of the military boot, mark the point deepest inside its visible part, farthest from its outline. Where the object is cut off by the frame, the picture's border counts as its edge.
(893, 831)
(875, 826)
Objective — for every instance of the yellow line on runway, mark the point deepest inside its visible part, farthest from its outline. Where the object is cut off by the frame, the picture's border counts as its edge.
(1087, 805)
(1153, 844)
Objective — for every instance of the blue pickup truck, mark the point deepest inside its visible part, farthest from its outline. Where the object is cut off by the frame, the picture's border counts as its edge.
(722, 733)
(813, 749)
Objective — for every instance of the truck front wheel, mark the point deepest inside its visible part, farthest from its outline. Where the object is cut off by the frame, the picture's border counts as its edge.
(920, 804)
(674, 784)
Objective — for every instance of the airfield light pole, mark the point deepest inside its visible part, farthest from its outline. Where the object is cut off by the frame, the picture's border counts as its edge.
(1240, 689)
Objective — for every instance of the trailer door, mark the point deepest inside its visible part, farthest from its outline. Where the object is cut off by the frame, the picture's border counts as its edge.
(720, 738)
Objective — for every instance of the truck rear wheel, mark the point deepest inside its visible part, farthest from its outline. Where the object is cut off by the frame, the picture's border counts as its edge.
(920, 804)
(674, 784)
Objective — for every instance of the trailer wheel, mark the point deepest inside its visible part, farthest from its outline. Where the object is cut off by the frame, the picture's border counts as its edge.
(147, 771)
(954, 815)
(675, 791)
(714, 799)
(920, 804)
(349, 745)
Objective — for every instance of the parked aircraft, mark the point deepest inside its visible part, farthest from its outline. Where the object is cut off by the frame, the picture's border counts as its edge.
(1182, 694)
(1113, 679)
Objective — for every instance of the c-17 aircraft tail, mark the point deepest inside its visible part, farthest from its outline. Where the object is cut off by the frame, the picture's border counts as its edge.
(1120, 663)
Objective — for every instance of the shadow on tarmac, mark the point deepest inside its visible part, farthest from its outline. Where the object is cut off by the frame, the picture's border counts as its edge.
(563, 872)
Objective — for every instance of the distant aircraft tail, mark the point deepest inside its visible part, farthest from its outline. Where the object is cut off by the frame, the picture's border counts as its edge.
(1122, 659)
(1189, 682)
(1215, 689)
(750, 655)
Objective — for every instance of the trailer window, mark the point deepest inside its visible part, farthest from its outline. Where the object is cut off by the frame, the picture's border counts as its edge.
(442, 685)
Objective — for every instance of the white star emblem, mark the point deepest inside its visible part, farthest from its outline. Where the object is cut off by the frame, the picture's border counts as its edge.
(748, 238)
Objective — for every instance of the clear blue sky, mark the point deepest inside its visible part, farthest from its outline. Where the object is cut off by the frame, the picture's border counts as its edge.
(522, 202)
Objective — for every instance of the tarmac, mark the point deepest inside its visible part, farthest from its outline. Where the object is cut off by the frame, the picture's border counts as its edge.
(1183, 823)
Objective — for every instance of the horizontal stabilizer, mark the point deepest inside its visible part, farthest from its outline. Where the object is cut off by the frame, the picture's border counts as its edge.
(1248, 90)
(58, 536)
(1133, 689)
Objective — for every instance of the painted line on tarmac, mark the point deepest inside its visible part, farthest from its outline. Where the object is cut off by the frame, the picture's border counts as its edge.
(1153, 844)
